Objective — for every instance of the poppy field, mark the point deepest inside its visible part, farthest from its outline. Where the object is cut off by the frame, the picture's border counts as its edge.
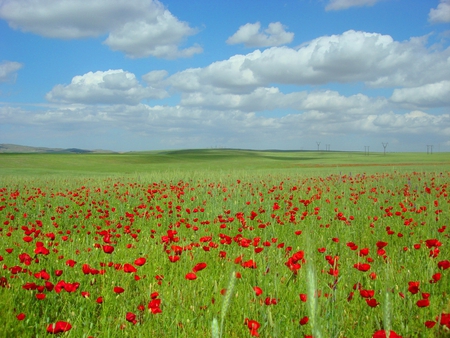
(226, 255)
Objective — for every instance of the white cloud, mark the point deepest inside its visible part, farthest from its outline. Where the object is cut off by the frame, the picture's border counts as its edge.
(415, 122)
(335, 5)
(251, 36)
(429, 95)
(8, 70)
(441, 14)
(353, 56)
(155, 36)
(165, 127)
(139, 28)
(109, 87)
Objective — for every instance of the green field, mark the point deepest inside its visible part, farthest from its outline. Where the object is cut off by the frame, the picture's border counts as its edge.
(225, 243)
(216, 160)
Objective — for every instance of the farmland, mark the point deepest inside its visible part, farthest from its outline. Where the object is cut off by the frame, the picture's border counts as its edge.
(225, 243)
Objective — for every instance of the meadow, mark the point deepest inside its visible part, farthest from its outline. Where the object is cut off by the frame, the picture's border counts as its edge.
(225, 243)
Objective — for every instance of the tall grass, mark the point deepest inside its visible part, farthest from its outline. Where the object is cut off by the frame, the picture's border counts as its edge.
(205, 208)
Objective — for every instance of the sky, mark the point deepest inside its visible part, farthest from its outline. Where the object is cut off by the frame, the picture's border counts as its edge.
(344, 75)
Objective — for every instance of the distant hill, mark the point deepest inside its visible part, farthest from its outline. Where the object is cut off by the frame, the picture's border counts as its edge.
(15, 148)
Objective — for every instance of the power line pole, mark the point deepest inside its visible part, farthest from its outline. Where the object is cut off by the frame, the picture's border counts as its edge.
(384, 146)
(429, 149)
(366, 150)
(318, 146)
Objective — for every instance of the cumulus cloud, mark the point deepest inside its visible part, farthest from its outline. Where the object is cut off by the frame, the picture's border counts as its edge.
(426, 96)
(139, 28)
(108, 87)
(335, 5)
(177, 126)
(8, 70)
(271, 98)
(251, 36)
(353, 56)
(441, 14)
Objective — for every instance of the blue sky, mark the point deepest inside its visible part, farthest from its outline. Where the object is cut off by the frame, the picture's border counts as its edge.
(147, 75)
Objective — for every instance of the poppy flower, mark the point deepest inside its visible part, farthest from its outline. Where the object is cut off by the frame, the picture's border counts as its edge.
(444, 319)
(59, 327)
(108, 249)
(128, 268)
(444, 265)
(382, 334)
(40, 296)
(258, 290)
(174, 259)
(413, 287)
(140, 261)
(118, 289)
(303, 297)
(430, 324)
(21, 316)
(71, 263)
(423, 303)
(304, 320)
(190, 276)
(367, 293)
(362, 266)
(253, 326)
(372, 302)
(131, 317)
(199, 267)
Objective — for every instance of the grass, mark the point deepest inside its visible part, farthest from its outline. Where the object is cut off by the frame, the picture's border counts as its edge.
(276, 220)
(212, 160)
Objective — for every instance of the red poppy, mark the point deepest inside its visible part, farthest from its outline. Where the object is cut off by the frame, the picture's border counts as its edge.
(131, 317)
(423, 303)
(367, 293)
(199, 267)
(444, 319)
(382, 334)
(372, 302)
(118, 289)
(173, 259)
(128, 268)
(108, 249)
(140, 261)
(40, 296)
(413, 287)
(258, 290)
(21, 316)
(430, 324)
(59, 327)
(444, 265)
(253, 326)
(362, 266)
(304, 320)
(71, 263)
(190, 276)
(249, 264)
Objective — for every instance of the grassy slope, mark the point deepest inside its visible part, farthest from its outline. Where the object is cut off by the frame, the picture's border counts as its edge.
(215, 160)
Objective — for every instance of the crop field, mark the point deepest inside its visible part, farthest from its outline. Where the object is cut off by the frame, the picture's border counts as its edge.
(225, 243)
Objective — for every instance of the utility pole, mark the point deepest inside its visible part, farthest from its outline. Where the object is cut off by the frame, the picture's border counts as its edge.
(429, 149)
(366, 150)
(327, 147)
(384, 146)
(318, 146)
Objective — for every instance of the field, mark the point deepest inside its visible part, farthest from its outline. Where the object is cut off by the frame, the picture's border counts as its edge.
(225, 243)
